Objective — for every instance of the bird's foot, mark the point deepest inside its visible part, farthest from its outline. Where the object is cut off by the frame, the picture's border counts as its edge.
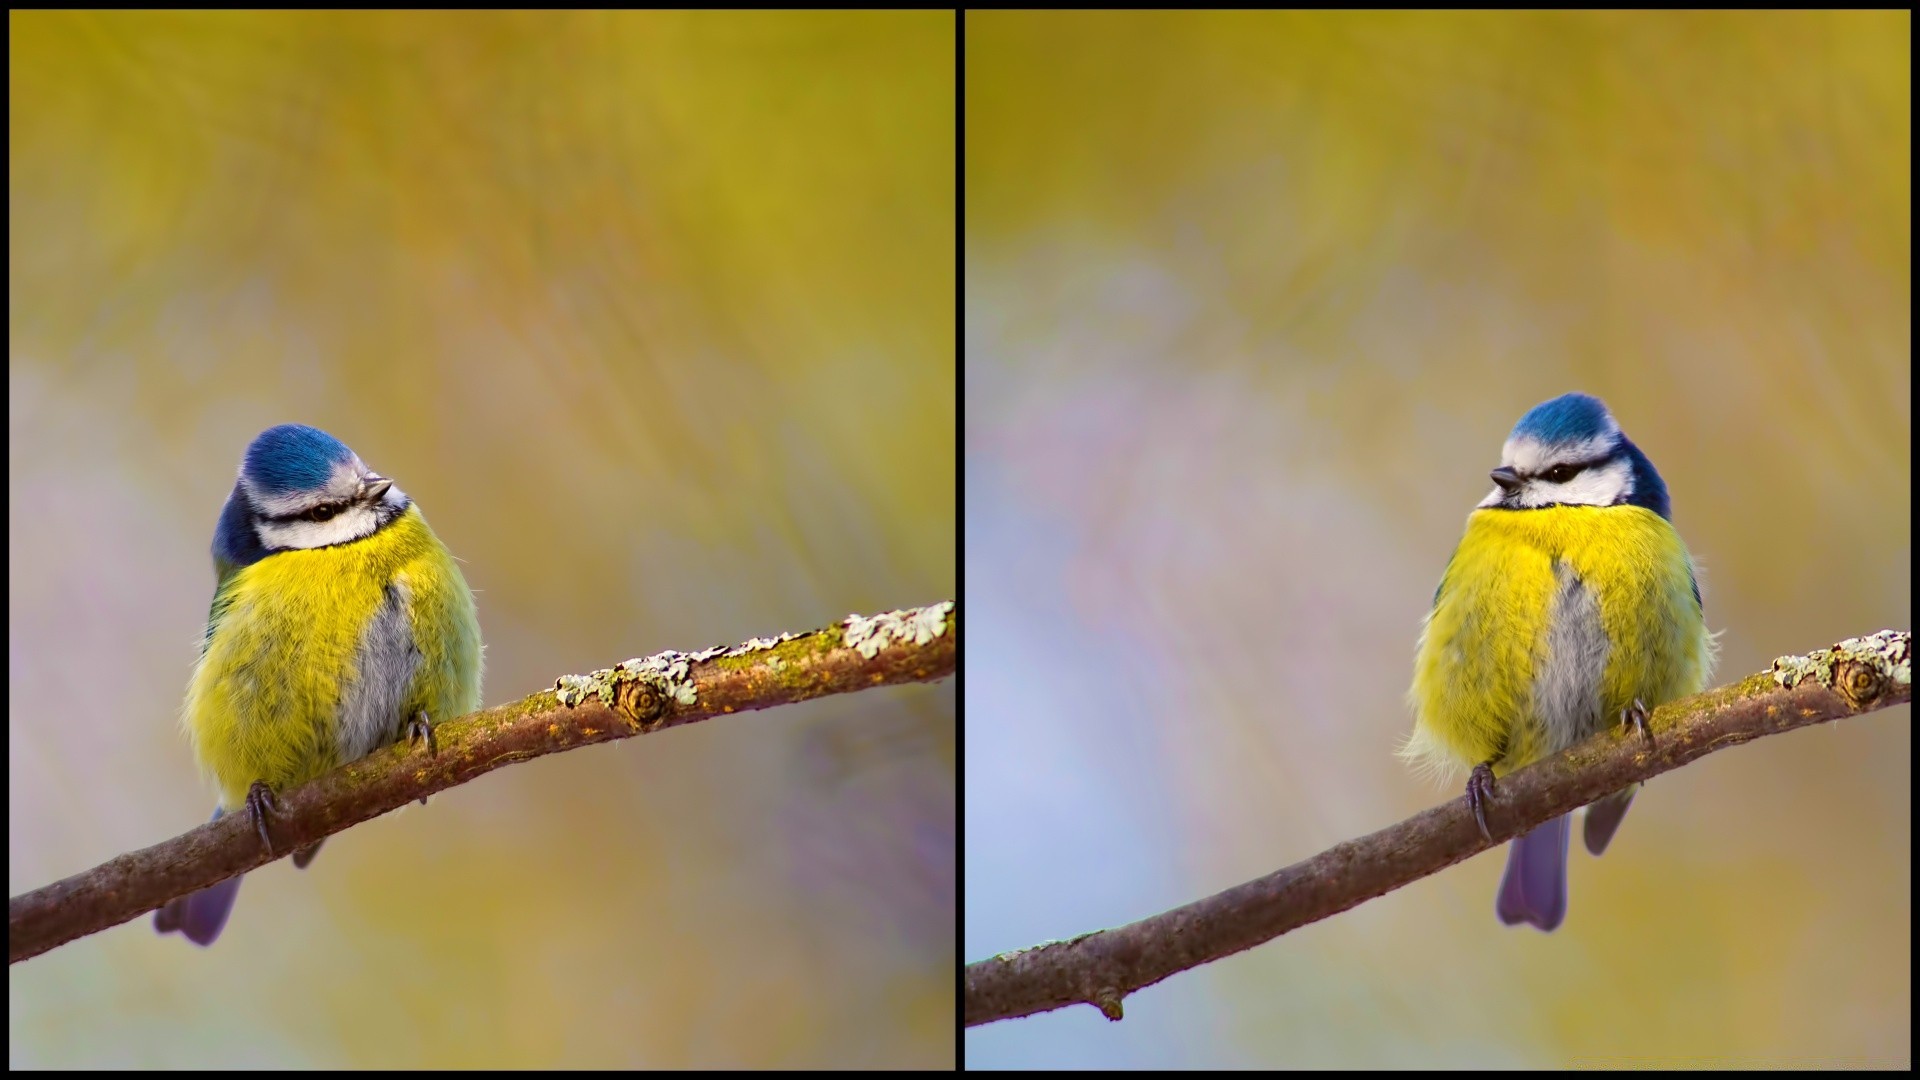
(420, 729)
(1479, 790)
(260, 803)
(1636, 716)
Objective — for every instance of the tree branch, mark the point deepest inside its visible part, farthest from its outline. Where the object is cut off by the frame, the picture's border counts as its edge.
(1100, 968)
(638, 696)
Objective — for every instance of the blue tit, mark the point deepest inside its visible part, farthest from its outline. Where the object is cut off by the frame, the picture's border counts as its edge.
(1570, 602)
(340, 622)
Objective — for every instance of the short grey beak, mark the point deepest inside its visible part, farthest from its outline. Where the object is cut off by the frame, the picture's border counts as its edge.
(1506, 478)
(373, 486)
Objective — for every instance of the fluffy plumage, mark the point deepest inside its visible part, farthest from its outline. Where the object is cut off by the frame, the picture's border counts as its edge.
(338, 617)
(303, 641)
(1569, 598)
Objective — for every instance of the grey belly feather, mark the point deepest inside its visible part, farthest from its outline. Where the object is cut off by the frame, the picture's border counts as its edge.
(1567, 688)
(383, 670)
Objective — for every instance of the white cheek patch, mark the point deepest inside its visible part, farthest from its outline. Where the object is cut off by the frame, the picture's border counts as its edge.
(351, 524)
(1601, 485)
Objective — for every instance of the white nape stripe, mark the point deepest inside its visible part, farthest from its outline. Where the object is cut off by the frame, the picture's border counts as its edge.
(343, 482)
(1528, 455)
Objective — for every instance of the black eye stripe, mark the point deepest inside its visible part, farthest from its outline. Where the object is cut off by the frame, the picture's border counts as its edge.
(338, 508)
(1576, 467)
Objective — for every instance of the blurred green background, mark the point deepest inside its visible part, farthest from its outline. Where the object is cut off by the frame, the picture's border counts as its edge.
(653, 314)
(1252, 301)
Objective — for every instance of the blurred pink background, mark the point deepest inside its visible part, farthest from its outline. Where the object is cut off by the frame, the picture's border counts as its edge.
(653, 315)
(1253, 300)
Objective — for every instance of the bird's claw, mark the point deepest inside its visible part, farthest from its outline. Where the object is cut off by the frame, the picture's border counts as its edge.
(1636, 716)
(260, 803)
(421, 729)
(1479, 790)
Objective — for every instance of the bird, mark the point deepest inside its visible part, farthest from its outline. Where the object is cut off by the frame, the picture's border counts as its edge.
(1570, 604)
(339, 625)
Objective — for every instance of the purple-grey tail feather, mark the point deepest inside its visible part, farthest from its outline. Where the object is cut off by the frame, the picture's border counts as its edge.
(201, 915)
(303, 856)
(1534, 889)
(1603, 817)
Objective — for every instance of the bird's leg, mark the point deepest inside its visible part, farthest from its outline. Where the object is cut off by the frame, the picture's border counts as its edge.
(1635, 716)
(421, 729)
(259, 804)
(1479, 790)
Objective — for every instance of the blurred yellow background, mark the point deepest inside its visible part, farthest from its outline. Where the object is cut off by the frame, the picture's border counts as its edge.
(1252, 301)
(653, 314)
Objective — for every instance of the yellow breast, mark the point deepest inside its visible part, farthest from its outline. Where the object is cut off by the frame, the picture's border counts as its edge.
(1485, 664)
(266, 699)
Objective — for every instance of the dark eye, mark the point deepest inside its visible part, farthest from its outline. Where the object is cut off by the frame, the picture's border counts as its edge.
(319, 513)
(1560, 474)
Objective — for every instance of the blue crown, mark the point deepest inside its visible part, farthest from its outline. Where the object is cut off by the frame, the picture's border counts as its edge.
(1576, 418)
(1567, 418)
(292, 457)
